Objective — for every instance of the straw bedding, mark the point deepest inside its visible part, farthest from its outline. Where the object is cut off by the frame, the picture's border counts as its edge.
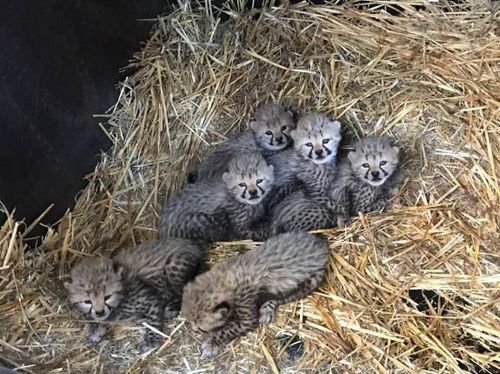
(430, 79)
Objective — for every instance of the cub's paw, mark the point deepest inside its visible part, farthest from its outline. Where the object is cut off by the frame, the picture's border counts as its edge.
(209, 349)
(267, 312)
(96, 334)
(151, 341)
(171, 311)
(342, 221)
(94, 337)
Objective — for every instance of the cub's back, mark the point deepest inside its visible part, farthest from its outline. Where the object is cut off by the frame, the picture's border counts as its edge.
(149, 260)
(206, 196)
(286, 260)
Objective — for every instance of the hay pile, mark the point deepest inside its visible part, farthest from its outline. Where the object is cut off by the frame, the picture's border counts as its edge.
(428, 78)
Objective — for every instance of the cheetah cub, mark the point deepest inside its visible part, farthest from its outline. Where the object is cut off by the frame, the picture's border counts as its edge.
(225, 209)
(237, 295)
(369, 178)
(269, 132)
(304, 204)
(311, 165)
(145, 282)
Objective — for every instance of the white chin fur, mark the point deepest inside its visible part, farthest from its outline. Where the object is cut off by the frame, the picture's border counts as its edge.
(325, 160)
(253, 201)
(270, 147)
(376, 183)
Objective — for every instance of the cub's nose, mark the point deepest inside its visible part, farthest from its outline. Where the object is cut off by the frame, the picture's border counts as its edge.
(99, 313)
(279, 139)
(375, 174)
(319, 152)
(252, 192)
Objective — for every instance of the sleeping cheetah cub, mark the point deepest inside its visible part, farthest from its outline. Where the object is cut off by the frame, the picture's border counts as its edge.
(144, 282)
(237, 295)
(369, 178)
(269, 132)
(225, 209)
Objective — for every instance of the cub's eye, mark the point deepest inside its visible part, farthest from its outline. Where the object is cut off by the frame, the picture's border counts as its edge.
(309, 144)
(365, 165)
(270, 133)
(382, 163)
(242, 184)
(258, 181)
(283, 128)
(326, 141)
(87, 302)
(107, 297)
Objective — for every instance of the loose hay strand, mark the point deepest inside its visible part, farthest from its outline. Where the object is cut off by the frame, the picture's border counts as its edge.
(427, 78)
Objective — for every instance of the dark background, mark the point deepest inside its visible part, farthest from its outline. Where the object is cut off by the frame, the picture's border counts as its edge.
(59, 65)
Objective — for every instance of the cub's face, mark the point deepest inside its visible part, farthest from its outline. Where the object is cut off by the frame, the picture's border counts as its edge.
(374, 160)
(316, 138)
(271, 126)
(249, 179)
(96, 287)
(203, 309)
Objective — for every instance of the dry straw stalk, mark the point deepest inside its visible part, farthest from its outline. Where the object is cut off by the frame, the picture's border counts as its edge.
(428, 78)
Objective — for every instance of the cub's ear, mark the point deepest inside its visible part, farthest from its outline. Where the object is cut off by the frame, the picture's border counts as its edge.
(351, 156)
(253, 124)
(336, 128)
(68, 285)
(118, 269)
(291, 110)
(222, 309)
(396, 150)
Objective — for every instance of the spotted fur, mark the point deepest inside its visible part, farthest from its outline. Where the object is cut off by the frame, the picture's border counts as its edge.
(226, 209)
(300, 200)
(299, 212)
(167, 265)
(238, 294)
(142, 282)
(269, 133)
(369, 178)
(102, 290)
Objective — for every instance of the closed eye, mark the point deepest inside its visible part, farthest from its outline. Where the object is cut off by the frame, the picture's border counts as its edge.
(242, 184)
(382, 163)
(258, 181)
(365, 165)
(309, 144)
(270, 133)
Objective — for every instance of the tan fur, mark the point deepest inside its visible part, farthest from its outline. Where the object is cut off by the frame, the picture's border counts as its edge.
(316, 138)
(272, 125)
(224, 209)
(96, 286)
(231, 298)
(249, 178)
(269, 133)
